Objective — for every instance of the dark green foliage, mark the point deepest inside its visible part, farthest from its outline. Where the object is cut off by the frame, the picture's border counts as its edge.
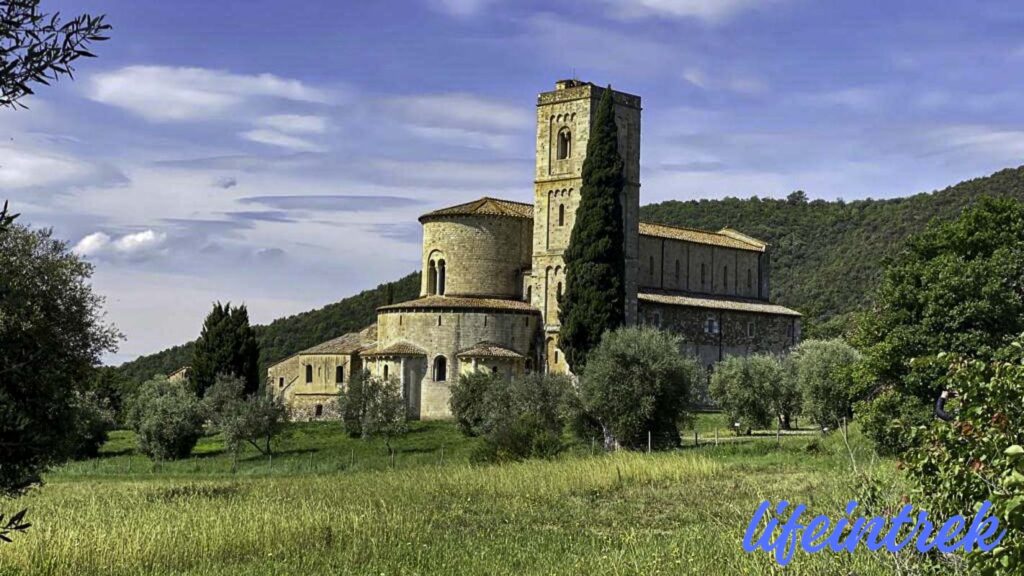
(519, 418)
(167, 417)
(94, 418)
(15, 524)
(37, 48)
(594, 300)
(823, 371)
(51, 336)
(6, 218)
(888, 417)
(636, 382)
(979, 455)
(827, 257)
(468, 400)
(352, 404)
(226, 346)
(112, 389)
(957, 287)
(286, 336)
(755, 392)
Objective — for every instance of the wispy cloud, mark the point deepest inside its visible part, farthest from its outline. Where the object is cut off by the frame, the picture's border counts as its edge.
(22, 167)
(281, 140)
(461, 8)
(295, 123)
(328, 203)
(711, 11)
(168, 94)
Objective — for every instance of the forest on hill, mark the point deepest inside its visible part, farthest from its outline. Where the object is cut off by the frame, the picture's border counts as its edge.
(826, 257)
(286, 336)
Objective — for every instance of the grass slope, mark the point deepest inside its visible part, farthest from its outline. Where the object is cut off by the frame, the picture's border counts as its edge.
(682, 512)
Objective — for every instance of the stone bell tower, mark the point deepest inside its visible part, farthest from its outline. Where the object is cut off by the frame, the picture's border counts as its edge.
(564, 117)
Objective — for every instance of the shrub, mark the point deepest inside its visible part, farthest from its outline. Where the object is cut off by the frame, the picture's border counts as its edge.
(167, 418)
(824, 372)
(257, 419)
(523, 417)
(93, 420)
(384, 413)
(979, 455)
(755, 391)
(352, 404)
(636, 382)
(888, 417)
(468, 400)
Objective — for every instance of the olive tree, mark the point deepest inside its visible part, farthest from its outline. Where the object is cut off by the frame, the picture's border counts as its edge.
(636, 382)
(824, 372)
(755, 391)
(167, 418)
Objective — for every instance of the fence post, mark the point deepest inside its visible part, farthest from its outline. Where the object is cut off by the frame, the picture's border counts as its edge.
(716, 436)
(778, 433)
(648, 441)
(696, 441)
(442, 454)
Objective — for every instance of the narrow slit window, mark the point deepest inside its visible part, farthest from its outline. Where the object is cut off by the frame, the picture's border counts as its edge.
(564, 143)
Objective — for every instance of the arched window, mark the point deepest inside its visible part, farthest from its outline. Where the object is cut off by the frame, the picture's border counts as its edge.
(309, 373)
(558, 291)
(564, 143)
(561, 214)
(440, 277)
(440, 369)
(431, 278)
(385, 372)
(339, 374)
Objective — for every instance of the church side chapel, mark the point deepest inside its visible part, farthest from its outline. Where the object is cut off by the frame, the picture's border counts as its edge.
(493, 271)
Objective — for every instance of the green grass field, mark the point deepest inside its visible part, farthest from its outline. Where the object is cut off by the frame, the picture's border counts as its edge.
(327, 504)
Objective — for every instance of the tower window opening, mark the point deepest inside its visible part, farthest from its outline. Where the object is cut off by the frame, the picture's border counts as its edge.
(385, 372)
(431, 278)
(561, 214)
(440, 277)
(440, 369)
(564, 143)
(309, 374)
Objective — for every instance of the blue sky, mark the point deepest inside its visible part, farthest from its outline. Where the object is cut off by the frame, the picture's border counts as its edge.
(278, 153)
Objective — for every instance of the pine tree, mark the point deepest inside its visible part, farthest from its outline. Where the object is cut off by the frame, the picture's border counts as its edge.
(594, 300)
(226, 346)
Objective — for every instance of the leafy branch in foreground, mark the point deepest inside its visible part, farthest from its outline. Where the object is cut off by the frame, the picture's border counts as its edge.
(5, 218)
(15, 524)
(38, 48)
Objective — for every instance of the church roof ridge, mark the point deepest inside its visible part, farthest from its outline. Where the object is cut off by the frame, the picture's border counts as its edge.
(485, 206)
(730, 239)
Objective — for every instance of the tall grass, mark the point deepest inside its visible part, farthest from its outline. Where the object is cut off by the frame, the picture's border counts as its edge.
(625, 513)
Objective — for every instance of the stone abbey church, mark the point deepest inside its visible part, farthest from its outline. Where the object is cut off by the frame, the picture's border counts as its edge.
(493, 271)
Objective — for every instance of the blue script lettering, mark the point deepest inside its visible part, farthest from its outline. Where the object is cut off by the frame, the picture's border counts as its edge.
(782, 538)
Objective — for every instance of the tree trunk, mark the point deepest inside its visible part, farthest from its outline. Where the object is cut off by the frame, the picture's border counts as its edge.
(610, 443)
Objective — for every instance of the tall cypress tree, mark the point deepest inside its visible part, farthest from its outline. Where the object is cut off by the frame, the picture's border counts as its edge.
(594, 300)
(227, 345)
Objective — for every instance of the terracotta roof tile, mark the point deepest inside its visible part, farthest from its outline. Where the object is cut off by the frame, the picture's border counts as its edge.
(484, 206)
(489, 350)
(398, 349)
(347, 344)
(435, 302)
(717, 303)
(726, 238)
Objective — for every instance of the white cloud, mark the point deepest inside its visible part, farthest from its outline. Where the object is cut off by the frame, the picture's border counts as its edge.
(711, 11)
(461, 8)
(295, 123)
(29, 168)
(139, 244)
(282, 140)
(726, 82)
(460, 110)
(167, 94)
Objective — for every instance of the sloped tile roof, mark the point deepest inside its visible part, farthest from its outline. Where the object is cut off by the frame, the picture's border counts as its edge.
(346, 344)
(726, 238)
(398, 349)
(436, 302)
(717, 303)
(489, 350)
(484, 207)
